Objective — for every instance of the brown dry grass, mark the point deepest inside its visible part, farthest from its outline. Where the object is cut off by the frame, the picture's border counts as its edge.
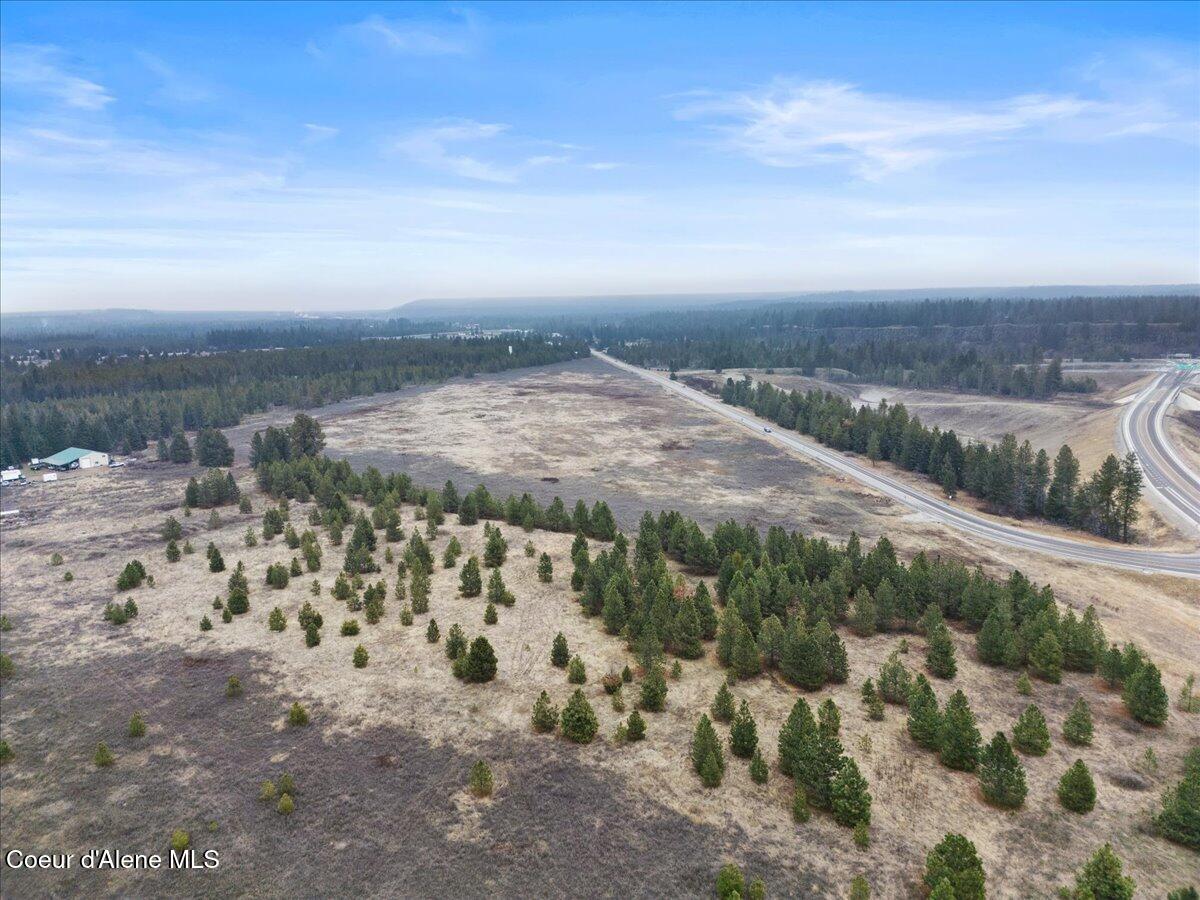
(100, 522)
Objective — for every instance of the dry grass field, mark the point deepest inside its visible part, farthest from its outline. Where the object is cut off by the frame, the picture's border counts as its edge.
(382, 807)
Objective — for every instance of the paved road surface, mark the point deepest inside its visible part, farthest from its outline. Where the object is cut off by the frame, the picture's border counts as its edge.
(1184, 564)
(1173, 487)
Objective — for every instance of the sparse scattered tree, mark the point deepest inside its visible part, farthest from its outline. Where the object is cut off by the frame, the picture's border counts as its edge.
(722, 708)
(743, 733)
(956, 861)
(481, 782)
(707, 757)
(560, 654)
(545, 714)
(1077, 789)
(653, 695)
(470, 581)
(1102, 878)
(480, 665)
(1145, 697)
(1077, 728)
(103, 757)
(1001, 775)
(579, 723)
(297, 715)
(850, 801)
(1030, 734)
(959, 737)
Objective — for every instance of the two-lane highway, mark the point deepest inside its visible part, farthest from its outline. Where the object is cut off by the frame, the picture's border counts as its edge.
(1184, 564)
(1173, 487)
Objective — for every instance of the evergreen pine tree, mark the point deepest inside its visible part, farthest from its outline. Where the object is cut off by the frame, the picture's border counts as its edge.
(956, 861)
(803, 659)
(1030, 734)
(722, 708)
(636, 729)
(545, 569)
(924, 717)
(480, 665)
(576, 672)
(730, 883)
(994, 640)
(613, 611)
(743, 733)
(939, 655)
(654, 690)
(560, 655)
(579, 723)
(685, 631)
(1179, 820)
(1001, 775)
(731, 625)
(959, 737)
(1076, 789)
(705, 612)
(1077, 728)
(1145, 697)
(863, 618)
(545, 714)
(456, 642)
(276, 621)
(758, 768)
(470, 581)
(894, 683)
(797, 733)
(1046, 658)
(1102, 878)
(850, 801)
(707, 757)
(746, 661)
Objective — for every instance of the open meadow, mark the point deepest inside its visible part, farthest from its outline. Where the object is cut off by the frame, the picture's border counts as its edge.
(381, 770)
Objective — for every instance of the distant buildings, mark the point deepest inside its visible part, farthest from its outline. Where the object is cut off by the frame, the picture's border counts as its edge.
(72, 458)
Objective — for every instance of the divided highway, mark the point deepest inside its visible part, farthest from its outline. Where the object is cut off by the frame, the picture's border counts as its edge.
(1148, 561)
(1172, 486)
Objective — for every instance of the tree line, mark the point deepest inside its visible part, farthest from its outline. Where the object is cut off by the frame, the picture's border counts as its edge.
(984, 346)
(120, 405)
(1011, 478)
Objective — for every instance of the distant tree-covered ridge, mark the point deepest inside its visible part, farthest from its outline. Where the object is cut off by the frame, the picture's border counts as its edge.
(120, 404)
(984, 346)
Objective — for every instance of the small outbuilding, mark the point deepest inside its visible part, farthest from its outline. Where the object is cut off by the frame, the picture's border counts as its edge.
(73, 458)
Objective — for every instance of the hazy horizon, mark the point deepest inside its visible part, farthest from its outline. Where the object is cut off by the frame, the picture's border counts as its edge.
(427, 307)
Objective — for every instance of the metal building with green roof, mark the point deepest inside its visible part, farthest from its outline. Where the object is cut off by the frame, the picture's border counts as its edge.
(72, 458)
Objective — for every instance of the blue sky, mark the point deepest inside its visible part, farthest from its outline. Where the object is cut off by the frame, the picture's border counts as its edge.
(354, 155)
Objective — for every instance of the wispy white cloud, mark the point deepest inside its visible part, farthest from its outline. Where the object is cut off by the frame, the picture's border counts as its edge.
(174, 87)
(792, 124)
(546, 160)
(432, 147)
(418, 37)
(602, 166)
(41, 68)
(444, 145)
(315, 133)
